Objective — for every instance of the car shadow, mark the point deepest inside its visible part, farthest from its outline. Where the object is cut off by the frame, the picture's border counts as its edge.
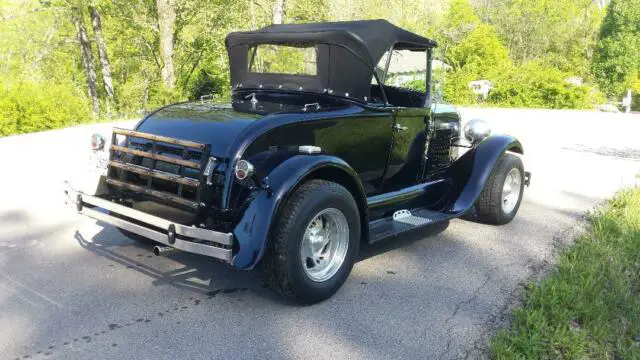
(370, 250)
(205, 275)
(191, 272)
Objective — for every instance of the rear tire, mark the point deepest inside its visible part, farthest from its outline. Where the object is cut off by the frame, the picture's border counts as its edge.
(500, 200)
(314, 243)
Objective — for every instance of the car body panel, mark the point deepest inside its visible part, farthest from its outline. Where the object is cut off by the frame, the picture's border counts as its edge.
(263, 207)
(393, 156)
(473, 169)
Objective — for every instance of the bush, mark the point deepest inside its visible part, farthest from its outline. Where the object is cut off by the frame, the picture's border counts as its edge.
(534, 85)
(28, 107)
(138, 94)
(457, 90)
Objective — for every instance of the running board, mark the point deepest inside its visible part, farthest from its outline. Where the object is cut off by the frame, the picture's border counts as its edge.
(403, 221)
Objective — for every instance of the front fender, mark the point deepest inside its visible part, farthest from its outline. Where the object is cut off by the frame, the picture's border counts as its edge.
(472, 170)
(253, 230)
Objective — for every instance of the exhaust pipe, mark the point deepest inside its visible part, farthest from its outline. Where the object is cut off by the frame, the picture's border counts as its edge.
(163, 250)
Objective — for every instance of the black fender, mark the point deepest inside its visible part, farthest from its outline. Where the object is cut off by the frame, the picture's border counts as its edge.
(472, 170)
(254, 228)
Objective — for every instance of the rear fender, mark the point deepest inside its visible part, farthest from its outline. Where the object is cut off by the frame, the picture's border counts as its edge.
(261, 212)
(472, 170)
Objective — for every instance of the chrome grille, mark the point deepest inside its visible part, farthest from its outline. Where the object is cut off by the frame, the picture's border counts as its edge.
(440, 148)
(160, 167)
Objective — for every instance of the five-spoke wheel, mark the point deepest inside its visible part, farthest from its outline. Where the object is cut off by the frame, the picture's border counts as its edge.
(315, 242)
(502, 195)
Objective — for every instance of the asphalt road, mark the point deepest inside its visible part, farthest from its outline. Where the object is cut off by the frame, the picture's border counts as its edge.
(74, 289)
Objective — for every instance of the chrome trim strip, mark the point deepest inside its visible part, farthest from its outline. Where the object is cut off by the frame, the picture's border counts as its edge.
(184, 245)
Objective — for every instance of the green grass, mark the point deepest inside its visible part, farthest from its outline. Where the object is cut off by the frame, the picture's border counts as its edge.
(589, 307)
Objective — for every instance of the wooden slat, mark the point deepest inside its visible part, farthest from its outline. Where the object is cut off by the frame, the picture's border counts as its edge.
(154, 173)
(157, 194)
(190, 144)
(171, 160)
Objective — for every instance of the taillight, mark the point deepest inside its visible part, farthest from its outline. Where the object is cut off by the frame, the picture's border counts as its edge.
(243, 169)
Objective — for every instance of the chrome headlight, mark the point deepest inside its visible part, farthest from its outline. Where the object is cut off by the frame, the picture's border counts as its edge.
(477, 130)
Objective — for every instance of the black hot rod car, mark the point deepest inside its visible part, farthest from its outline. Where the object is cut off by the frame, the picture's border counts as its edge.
(321, 148)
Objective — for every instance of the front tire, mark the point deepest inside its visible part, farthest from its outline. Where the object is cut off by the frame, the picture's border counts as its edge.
(500, 200)
(314, 243)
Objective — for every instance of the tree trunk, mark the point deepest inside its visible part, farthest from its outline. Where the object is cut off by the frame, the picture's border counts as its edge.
(102, 51)
(87, 58)
(252, 16)
(166, 20)
(278, 12)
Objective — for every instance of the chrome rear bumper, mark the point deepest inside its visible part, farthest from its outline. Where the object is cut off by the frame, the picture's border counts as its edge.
(219, 245)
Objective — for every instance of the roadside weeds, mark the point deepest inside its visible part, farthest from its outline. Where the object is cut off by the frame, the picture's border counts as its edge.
(589, 305)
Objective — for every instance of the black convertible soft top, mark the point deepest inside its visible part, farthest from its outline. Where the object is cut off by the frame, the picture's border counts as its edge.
(347, 54)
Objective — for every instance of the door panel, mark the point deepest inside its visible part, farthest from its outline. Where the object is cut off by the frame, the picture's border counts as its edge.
(362, 140)
(406, 160)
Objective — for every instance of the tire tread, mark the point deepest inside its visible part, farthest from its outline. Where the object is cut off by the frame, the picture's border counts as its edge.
(274, 263)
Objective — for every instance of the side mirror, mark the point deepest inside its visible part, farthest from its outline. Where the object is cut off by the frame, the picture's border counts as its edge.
(476, 130)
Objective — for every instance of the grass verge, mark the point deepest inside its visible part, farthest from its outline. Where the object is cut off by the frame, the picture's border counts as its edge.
(589, 307)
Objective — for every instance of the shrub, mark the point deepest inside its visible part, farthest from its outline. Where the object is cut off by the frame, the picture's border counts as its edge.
(534, 85)
(28, 107)
(138, 94)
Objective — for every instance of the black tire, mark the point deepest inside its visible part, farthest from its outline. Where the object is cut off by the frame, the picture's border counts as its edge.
(489, 205)
(282, 265)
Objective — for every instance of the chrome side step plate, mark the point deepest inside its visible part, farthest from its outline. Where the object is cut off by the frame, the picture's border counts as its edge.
(404, 216)
(404, 220)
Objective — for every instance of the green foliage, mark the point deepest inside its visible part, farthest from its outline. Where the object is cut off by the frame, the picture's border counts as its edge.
(616, 62)
(456, 87)
(535, 85)
(480, 52)
(479, 39)
(562, 31)
(28, 107)
(589, 308)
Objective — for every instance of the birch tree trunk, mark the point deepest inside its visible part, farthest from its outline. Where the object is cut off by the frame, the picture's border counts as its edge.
(87, 58)
(278, 12)
(166, 20)
(102, 51)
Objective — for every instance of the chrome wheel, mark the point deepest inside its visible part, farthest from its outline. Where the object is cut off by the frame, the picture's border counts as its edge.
(324, 244)
(511, 190)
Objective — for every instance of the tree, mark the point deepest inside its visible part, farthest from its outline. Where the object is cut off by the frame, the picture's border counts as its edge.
(87, 58)
(102, 51)
(166, 22)
(480, 52)
(278, 11)
(616, 63)
(561, 32)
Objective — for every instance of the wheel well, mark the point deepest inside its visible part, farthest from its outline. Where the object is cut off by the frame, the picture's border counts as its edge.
(341, 177)
(516, 149)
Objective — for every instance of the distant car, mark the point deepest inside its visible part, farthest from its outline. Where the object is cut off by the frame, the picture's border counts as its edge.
(314, 155)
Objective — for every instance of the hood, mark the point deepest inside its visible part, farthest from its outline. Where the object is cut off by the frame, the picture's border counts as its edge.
(203, 122)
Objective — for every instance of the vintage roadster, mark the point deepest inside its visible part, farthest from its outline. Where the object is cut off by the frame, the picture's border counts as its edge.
(322, 147)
